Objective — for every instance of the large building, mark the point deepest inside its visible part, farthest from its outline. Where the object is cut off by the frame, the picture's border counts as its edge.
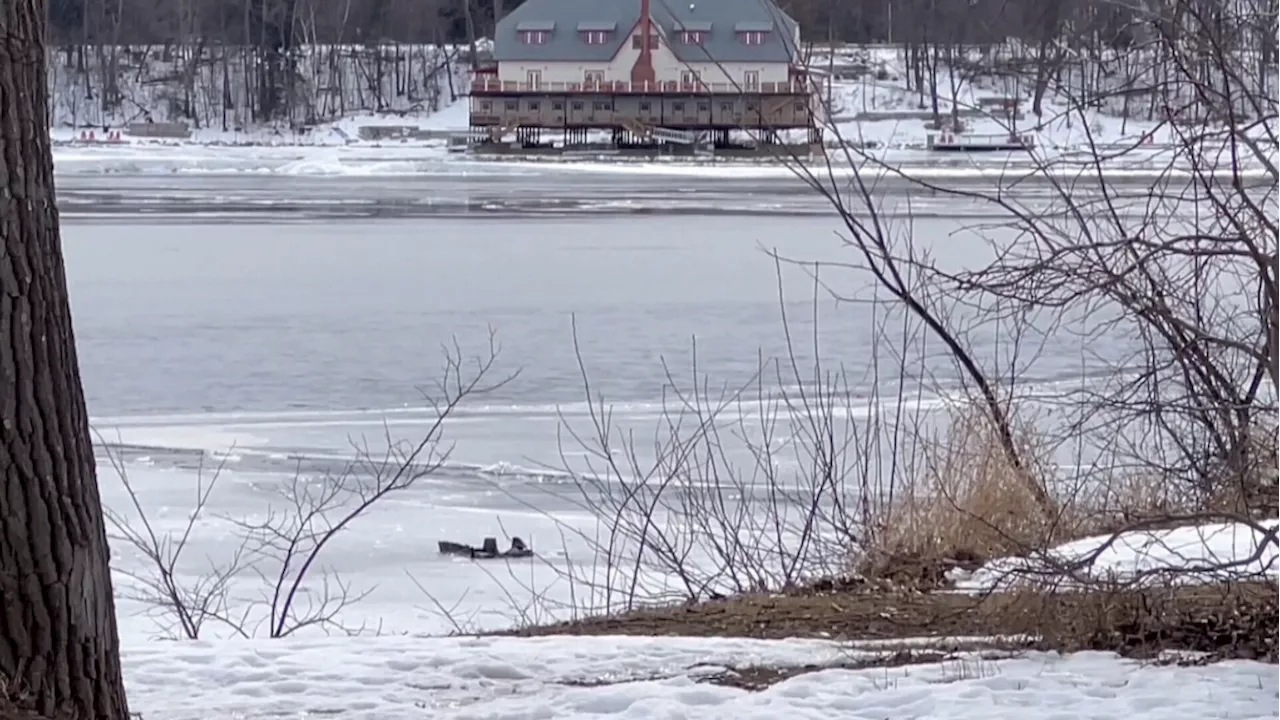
(637, 66)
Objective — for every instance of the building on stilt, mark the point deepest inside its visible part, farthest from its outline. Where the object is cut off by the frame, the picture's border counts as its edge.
(645, 74)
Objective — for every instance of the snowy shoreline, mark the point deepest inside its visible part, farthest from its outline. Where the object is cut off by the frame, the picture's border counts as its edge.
(409, 161)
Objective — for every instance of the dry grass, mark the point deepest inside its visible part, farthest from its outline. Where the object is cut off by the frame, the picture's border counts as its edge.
(1225, 619)
(968, 503)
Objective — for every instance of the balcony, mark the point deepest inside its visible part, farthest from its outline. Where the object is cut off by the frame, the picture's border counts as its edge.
(485, 84)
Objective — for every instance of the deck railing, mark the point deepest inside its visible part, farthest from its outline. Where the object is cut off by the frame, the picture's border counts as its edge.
(482, 84)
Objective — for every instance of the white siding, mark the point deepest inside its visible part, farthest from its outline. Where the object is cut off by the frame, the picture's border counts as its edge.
(735, 72)
(665, 64)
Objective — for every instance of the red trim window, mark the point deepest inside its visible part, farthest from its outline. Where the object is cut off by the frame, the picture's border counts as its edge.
(752, 37)
(535, 37)
(693, 37)
(595, 37)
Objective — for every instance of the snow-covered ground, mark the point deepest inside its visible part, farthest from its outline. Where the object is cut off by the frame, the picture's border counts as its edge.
(1060, 127)
(341, 132)
(570, 678)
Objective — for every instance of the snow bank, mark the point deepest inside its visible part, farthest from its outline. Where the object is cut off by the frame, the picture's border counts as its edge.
(387, 678)
(1195, 553)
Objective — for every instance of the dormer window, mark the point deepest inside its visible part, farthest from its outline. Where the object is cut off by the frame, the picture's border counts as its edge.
(596, 33)
(535, 32)
(753, 33)
(637, 41)
(694, 32)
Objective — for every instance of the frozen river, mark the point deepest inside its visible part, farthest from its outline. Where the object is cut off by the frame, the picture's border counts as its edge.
(316, 318)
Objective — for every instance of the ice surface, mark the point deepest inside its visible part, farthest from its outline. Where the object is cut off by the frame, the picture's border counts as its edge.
(383, 553)
(386, 678)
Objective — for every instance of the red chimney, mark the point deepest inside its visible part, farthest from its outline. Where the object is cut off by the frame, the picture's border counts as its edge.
(642, 71)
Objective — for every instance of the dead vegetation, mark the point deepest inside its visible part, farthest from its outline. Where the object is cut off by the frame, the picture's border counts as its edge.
(968, 504)
(1227, 621)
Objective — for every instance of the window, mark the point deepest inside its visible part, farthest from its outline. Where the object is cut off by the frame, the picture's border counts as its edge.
(800, 106)
(533, 106)
(704, 106)
(535, 37)
(511, 105)
(602, 105)
(593, 79)
(751, 80)
(595, 37)
(577, 105)
(637, 41)
(557, 105)
(535, 79)
(726, 107)
(486, 106)
(752, 37)
(693, 37)
(644, 107)
(677, 107)
(690, 78)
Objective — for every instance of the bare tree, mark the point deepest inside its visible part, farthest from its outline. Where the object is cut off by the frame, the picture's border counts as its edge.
(1177, 273)
(281, 554)
(181, 607)
(59, 648)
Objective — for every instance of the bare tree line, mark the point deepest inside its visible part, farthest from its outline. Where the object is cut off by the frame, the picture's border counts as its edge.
(1056, 26)
(264, 23)
(234, 88)
(231, 63)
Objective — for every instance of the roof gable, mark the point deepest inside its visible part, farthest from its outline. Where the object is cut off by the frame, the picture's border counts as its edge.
(720, 20)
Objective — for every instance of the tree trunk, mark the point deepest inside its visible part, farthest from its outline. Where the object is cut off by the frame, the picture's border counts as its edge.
(59, 649)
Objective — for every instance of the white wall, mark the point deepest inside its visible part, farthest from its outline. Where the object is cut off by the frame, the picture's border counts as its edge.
(735, 72)
(665, 64)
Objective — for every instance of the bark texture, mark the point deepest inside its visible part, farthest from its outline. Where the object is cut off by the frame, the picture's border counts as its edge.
(59, 648)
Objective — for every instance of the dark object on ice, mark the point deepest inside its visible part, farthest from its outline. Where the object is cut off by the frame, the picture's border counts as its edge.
(453, 548)
(487, 550)
(518, 549)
